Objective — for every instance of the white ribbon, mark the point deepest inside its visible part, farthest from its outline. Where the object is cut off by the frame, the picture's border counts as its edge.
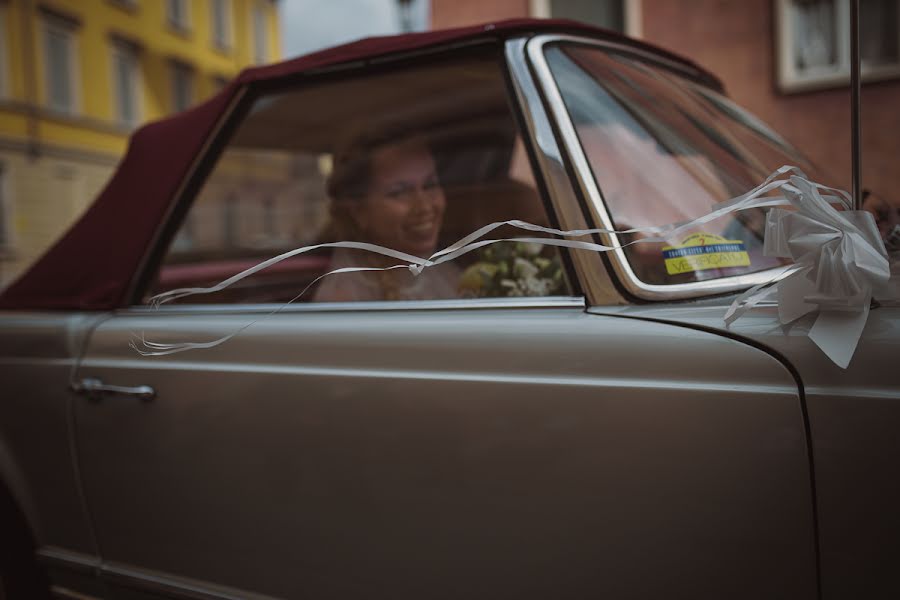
(839, 261)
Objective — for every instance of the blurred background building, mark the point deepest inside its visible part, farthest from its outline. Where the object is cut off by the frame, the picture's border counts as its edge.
(787, 61)
(78, 76)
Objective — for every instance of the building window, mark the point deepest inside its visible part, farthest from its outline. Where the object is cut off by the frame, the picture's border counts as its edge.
(182, 86)
(623, 16)
(221, 23)
(4, 52)
(178, 14)
(260, 39)
(60, 69)
(5, 241)
(126, 82)
(413, 15)
(814, 42)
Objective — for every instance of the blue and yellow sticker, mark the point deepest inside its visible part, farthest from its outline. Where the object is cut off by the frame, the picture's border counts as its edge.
(701, 251)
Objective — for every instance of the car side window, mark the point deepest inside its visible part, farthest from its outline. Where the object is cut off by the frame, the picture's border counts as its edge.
(410, 159)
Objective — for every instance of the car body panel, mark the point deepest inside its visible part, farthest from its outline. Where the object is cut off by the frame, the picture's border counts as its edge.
(370, 462)
(38, 354)
(854, 416)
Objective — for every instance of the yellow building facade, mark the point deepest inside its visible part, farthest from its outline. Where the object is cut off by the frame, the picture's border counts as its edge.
(78, 76)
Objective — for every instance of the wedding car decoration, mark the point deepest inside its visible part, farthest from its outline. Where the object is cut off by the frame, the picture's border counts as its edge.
(839, 262)
(513, 270)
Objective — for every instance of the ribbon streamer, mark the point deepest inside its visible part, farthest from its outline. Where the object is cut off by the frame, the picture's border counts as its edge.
(838, 262)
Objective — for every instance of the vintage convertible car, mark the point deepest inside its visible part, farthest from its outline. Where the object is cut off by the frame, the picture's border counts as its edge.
(528, 421)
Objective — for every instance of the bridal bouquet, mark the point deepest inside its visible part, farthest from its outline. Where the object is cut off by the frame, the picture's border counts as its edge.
(514, 269)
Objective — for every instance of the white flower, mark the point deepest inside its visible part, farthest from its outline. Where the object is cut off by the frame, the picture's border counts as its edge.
(524, 269)
(512, 288)
(536, 287)
(532, 248)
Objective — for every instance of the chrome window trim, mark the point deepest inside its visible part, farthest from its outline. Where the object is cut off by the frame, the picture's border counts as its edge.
(590, 269)
(139, 276)
(170, 586)
(535, 52)
(78, 562)
(546, 302)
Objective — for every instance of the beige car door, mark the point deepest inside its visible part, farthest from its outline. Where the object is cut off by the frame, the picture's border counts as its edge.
(486, 450)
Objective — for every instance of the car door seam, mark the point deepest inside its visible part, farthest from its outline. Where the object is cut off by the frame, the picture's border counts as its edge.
(803, 412)
(71, 426)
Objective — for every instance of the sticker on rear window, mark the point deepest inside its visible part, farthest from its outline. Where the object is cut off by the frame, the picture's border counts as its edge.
(701, 251)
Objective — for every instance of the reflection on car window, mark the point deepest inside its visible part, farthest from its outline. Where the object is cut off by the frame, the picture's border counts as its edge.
(411, 159)
(664, 151)
(387, 194)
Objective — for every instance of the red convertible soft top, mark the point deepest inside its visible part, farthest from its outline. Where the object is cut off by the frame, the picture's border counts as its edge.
(92, 267)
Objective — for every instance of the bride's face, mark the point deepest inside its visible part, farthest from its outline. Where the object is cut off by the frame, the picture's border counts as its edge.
(404, 206)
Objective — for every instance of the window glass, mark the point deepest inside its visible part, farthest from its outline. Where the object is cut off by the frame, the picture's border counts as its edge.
(879, 32)
(609, 14)
(433, 156)
(4, 51)
(815, 35)
(59, 55)
(5, 241)
(220, 23)
(413, 15)
(664, 150)
(177, 13)
(12, 260)
(182, 86)
(126, 79)
(814, 42)
(260, 39)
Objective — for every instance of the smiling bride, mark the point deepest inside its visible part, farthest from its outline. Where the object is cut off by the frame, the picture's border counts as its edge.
(387, 194)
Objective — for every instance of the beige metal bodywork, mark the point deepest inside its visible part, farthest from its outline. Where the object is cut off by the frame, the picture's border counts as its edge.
(528, 452)
(38, 356)
(854, 416)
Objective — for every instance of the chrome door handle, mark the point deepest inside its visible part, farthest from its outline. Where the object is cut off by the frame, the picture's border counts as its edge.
(95, 389)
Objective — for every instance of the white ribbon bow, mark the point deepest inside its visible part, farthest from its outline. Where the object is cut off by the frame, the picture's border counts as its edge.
(839, 263)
